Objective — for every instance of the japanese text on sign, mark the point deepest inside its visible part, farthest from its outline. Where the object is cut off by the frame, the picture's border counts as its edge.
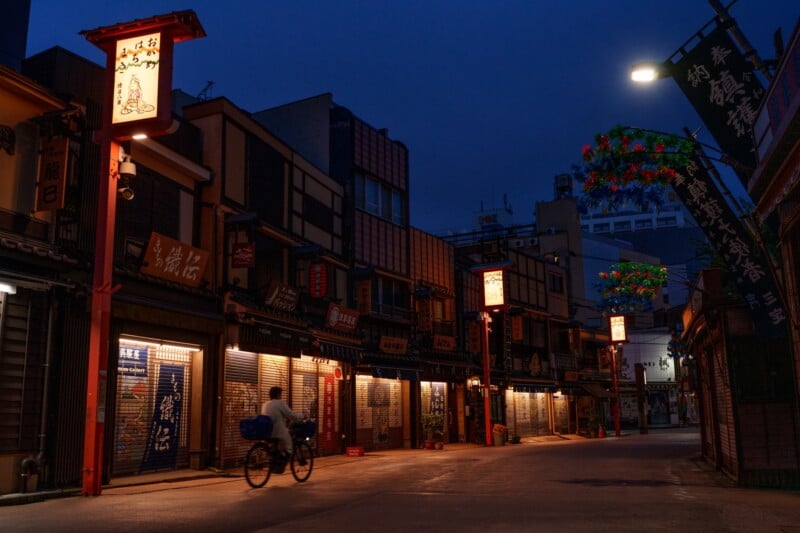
(175, 261)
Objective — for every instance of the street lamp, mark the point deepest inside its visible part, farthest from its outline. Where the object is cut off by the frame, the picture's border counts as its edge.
(137, 94)
(616, 326)
(647, 71)
(493, 283)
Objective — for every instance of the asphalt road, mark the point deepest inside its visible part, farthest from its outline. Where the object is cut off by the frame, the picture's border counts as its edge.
(652, 482)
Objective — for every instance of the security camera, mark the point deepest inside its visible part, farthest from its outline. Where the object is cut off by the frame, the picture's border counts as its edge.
(127, 169)
(126, 193)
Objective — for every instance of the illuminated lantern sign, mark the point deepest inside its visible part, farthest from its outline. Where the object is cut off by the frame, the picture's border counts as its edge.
(616, 324)
(493, 288)
(139, 71)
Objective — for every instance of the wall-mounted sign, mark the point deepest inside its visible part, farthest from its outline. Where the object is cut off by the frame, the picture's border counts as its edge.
(318, 280)
(132, 361)
(243, 255)
(341, 318)
(444, 343)
(282, 297)
(393, 345)
(52, 174)
(173, 260)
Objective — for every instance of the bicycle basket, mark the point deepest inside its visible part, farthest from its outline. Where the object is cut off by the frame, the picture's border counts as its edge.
(256, 428)
(304, 430)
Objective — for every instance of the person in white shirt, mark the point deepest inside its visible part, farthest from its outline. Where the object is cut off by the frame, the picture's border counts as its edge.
(281, 414)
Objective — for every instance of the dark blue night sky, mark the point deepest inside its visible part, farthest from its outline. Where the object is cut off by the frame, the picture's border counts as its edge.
(492, 98)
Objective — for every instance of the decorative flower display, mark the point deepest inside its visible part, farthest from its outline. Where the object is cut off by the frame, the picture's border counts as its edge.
(630, 286)
(630, 166)
(499, 428)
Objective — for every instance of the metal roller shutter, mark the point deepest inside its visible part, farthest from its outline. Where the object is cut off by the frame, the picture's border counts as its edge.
(153, 408)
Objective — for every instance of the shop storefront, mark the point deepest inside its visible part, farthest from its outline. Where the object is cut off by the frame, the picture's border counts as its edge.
(528, 413)
(312, 387)
(157, 392)
(382, 412)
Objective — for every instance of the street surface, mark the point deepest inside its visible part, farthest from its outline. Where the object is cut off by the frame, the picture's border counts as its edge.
(651, 482)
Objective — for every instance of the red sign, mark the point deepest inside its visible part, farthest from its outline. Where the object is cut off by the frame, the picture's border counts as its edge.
(243, 255)
(394, 345)
(516, 328)
(318, 280)
(173, 260)
(341, 318)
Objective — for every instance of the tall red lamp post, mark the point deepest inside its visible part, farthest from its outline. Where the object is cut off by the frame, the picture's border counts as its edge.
(493, 284)
(616, 327)
(137, 102)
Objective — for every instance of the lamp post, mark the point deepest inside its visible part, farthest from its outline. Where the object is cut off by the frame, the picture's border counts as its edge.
(493, 283)
(138, 82)
(616, 326)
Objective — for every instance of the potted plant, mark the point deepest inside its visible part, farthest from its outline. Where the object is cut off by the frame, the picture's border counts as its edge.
(431, 423)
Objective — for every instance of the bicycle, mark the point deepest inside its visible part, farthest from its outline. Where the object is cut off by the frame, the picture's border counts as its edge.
(265, 456)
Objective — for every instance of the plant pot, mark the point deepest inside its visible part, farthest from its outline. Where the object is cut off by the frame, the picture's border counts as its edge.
(428, 444)
(439, 445)
(516, 439)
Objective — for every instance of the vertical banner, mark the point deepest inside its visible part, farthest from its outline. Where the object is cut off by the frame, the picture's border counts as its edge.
(722, 87)
(748, 266)
(328, 422)
(52, 174)
(162, 444)
(437, 399)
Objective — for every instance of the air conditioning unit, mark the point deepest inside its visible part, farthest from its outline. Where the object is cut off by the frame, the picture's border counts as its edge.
(533, 241)
(519, 243)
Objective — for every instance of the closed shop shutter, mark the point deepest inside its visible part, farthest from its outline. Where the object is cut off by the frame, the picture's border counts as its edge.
(153, 407)
(561, 414)
(379, 412)
(248, 378)
(315, 393)
(240, 400)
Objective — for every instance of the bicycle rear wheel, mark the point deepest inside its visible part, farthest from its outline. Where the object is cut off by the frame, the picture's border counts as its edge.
(256, 465)
(302, 461)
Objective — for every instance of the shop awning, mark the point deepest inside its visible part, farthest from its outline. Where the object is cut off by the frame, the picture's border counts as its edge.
(340, 352)
(531, 386)
(265, 337)
(391, 372)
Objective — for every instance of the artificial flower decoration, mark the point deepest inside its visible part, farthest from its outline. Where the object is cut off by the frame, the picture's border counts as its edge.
(630, 166)
(630, 286)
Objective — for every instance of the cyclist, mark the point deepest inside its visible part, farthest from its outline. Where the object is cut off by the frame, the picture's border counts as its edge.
(281, 414)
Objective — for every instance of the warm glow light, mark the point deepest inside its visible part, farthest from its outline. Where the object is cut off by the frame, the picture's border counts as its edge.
(617, 327)
(8, 288)
(139, 136)
(493, 288)
(136, 69)
(643, 74)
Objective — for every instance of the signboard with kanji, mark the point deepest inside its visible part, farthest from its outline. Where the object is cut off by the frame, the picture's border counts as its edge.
(173, 260)
(52, 174)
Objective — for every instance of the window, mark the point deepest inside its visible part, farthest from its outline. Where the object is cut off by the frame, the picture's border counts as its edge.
(644, 223)
(622, 225)
(378, 199)
(665, 222)
(555, 283)
(602, 228)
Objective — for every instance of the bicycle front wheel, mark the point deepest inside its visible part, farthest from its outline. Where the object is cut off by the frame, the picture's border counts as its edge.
(256, 465)
(302, 461)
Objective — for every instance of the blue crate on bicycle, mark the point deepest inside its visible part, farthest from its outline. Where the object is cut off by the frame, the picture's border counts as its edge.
(304, 430)
(256, 428)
